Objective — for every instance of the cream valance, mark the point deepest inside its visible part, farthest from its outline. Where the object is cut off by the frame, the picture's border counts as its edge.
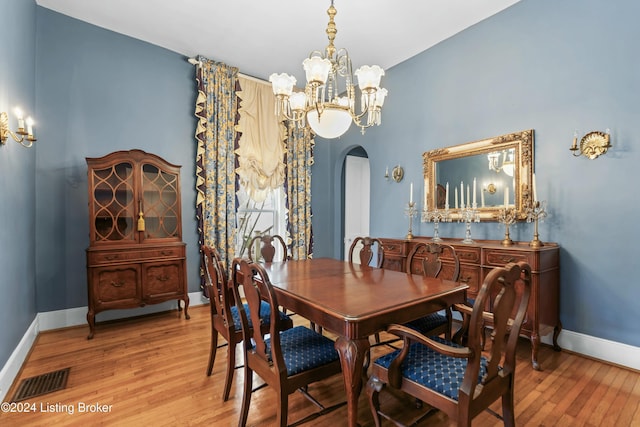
(260, 148)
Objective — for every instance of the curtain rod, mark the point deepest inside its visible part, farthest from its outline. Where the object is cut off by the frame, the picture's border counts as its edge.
(195, 61)
(255, 79)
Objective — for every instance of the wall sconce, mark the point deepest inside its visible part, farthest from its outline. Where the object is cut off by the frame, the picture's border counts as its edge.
(592, 145)
(25, 138)
(396, 174)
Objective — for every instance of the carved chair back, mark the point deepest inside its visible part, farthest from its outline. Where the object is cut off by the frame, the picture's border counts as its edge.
(267, 249)
(369, 246)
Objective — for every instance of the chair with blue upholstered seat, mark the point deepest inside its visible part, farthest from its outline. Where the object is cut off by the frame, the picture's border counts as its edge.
(426, 258)
(286, 360)
(460, 380)
(225, 319)
(367, 251)
(266, 251)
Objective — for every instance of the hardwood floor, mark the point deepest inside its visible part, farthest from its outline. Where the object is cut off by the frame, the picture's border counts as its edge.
(152, 371)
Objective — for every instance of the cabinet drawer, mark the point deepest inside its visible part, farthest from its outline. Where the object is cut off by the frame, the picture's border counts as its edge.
(163, 279)
(116, 284)
(120, 255)
(498, 258)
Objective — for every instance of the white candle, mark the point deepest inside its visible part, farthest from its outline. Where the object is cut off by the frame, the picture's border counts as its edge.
(411, 193)
(426, 194)
(461, 195)
(506, 196)
(474, 192)
(456, 197)
(535, 193)
(29, 126)
(468, 198)
(20, 118)
(446, 197)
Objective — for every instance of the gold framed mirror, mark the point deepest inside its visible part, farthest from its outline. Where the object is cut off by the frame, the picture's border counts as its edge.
(501, 169)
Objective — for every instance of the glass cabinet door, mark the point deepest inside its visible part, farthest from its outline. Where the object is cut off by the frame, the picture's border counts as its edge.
(160, 203)
(113, 203)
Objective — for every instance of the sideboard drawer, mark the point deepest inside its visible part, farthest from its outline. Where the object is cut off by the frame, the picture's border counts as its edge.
(470, 255)
(393, 247)
(500, 257)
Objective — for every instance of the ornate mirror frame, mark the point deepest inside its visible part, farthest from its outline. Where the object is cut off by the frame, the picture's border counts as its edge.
(518, 144)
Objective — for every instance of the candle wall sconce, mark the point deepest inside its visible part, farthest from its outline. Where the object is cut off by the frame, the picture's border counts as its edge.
(592, 145)
(397, 173)
(490, 188)
(21, 136)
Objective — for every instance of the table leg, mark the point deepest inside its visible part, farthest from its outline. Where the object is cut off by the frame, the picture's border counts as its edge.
(352, 356)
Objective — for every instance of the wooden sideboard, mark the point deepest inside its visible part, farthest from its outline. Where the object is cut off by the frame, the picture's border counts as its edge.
(477, 260)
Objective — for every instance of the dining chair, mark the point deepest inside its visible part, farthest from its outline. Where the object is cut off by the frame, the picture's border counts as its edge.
(461, 381)
(427, 257)
(366, 248)
(225, 319)
(267, 251)
(286, 360)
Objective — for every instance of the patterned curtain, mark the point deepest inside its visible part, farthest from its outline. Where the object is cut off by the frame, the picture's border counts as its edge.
(299, 159)
(217, 112)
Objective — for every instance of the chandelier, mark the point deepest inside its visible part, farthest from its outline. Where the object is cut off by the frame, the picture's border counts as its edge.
(325, 106)
(507, 166)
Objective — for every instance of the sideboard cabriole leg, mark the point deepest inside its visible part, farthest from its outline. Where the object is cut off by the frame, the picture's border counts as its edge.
(535, 345)
(186, 307)
(556, 333)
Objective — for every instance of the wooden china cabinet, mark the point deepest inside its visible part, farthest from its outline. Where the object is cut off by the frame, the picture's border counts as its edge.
(136, 255)
(477, 260)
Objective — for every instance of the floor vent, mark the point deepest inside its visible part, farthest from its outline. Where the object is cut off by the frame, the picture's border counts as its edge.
(41, 384)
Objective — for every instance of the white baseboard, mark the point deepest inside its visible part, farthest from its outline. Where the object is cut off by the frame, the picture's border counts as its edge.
(49, 320)
(12, 367)
(597, 348)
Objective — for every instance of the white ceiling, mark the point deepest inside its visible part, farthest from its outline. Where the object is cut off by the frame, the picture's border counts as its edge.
(260, 37)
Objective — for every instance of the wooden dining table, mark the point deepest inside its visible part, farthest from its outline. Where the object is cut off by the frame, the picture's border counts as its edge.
(354, 302)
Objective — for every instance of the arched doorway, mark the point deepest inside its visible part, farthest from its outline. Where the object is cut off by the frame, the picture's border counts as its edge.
(356, 197)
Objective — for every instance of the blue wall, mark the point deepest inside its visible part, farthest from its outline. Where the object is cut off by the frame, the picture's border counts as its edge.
(17, 176)
(98, 92)
(548, 65)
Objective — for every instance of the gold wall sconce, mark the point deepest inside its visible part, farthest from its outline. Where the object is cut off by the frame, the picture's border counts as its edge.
(21, 136)
(397, 173)
(592, 145)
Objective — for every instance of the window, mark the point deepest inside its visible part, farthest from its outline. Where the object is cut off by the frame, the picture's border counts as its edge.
(259, 218)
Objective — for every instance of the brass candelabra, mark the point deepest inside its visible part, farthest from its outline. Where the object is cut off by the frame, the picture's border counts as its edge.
(410, 211)
(535, 212)
(507, 216)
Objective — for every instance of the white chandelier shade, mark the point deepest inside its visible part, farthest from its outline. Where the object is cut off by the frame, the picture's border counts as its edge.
(325, 105)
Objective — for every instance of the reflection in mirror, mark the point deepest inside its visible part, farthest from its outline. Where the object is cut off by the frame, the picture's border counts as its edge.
(491, 173)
